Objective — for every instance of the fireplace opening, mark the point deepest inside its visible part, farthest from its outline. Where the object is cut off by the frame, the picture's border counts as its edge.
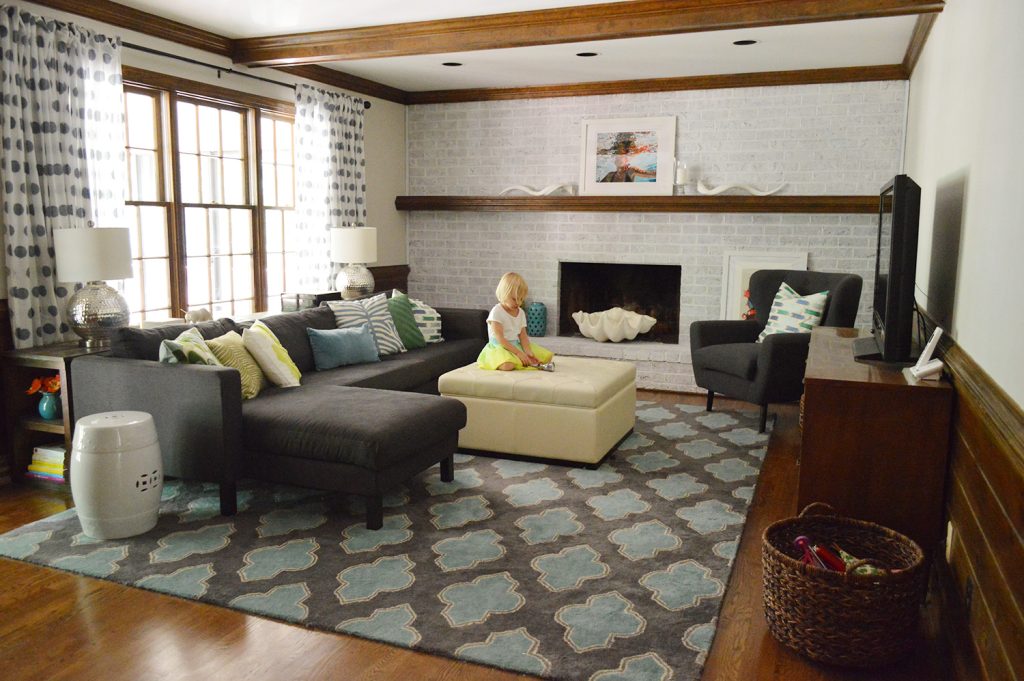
(645, 289)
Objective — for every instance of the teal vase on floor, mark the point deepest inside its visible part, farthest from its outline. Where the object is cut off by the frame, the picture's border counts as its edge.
(536, 319)
(49, 406)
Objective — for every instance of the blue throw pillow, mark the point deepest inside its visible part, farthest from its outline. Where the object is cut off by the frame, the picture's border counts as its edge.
(340, 347)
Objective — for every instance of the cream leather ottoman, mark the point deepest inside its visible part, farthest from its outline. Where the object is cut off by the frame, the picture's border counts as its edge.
(578, 413)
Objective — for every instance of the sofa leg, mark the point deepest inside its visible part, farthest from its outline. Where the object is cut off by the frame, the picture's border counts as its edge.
(764, 418)
(228, 498)
(374, 511)
(711, 399)
(448, 468)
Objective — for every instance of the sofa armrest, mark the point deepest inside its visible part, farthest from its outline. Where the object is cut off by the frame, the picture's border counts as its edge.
(197, 410)
(781, 362)
(719, 331)
(459, 323)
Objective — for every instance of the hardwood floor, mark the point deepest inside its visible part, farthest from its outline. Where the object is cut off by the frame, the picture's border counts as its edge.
(54, 625)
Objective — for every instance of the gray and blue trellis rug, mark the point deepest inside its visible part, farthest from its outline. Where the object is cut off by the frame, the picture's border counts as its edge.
(611, 574)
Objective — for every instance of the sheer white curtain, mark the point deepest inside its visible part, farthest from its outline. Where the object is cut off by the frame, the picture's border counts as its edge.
(62, 165)
(329, 174)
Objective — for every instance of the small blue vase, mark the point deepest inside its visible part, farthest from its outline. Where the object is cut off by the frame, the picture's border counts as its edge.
(536, 319)
(49, 406)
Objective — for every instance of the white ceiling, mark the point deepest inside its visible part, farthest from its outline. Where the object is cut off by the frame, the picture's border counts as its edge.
(780, 48)
(253, 18)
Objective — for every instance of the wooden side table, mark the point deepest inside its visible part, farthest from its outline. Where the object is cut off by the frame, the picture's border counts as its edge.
(23, 427)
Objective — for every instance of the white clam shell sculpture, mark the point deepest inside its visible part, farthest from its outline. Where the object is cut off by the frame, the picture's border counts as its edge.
(613, 325)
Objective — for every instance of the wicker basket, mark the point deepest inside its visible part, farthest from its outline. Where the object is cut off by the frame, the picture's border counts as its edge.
(843, 618)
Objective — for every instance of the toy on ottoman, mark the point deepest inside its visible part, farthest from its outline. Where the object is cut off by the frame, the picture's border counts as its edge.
(578, 413)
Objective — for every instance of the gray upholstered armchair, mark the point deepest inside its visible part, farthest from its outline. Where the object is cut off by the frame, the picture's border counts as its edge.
(726, 360)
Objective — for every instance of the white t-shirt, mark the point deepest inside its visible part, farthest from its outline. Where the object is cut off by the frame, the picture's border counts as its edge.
(511, 326)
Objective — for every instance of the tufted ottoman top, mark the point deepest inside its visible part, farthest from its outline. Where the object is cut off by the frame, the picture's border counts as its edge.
(575, 382)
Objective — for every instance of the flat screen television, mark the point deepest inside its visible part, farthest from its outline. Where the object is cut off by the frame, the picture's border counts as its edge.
(892, 307)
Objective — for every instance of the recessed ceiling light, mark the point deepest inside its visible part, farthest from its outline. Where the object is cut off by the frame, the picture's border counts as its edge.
(452, 63)
(586, 54)
(744, 42)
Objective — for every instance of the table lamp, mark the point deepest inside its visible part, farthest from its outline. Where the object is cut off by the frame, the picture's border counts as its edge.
(93, 255)
(354, 246)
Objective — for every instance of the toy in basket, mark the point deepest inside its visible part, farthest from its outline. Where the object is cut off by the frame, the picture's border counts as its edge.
(863, 615)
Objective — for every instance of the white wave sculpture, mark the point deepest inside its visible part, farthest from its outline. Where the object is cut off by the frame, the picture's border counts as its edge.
(715, 191)
(567, 188)
(613, 325)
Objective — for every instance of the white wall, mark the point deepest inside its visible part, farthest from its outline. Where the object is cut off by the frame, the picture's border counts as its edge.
(821, 139)
(384, 141)
(965, 147)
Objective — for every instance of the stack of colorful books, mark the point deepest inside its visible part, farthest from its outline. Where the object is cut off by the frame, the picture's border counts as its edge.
(47, 463)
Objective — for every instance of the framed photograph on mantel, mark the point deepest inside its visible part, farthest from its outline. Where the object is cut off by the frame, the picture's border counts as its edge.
(737, 266)
(628, 156)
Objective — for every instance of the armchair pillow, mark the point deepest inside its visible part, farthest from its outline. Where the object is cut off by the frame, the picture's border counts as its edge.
(428, 321)
(272, 357)
(793, 313)
(341, 347)
(231, 352)
(374, 312)
(188, 348)
(405, 321)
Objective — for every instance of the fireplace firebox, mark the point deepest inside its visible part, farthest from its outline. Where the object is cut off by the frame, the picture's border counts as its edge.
(646, 289)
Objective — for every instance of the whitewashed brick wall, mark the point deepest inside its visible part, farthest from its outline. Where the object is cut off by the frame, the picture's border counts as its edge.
(820, 139)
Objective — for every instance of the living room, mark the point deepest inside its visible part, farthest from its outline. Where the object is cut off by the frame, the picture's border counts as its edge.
(857, 93)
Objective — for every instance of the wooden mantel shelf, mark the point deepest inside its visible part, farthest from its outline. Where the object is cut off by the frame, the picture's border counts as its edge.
(644, 204)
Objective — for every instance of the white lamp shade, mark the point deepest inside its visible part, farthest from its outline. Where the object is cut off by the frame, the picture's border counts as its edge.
(92, 254)
(354, 244)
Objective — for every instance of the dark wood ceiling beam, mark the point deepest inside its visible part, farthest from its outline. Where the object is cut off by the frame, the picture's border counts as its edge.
(921, 30)
(133, 19)
(855, 74)
(606, 21)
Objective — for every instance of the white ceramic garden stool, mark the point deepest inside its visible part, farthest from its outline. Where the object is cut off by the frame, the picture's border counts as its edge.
(117, 475)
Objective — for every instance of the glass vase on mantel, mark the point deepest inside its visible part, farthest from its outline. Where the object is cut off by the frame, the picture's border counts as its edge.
(49, 406)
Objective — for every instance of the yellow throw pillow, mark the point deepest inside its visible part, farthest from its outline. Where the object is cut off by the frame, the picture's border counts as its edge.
(231, 352)
(274, 360)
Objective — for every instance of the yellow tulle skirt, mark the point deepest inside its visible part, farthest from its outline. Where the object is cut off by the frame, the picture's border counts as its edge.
(493, 356)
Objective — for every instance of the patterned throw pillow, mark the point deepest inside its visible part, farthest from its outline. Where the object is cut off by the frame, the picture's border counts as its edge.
(231, 352)
(428, 320)
(188, 348)
(793, 313)
(405, 321)
(372, 311)
(274, 360)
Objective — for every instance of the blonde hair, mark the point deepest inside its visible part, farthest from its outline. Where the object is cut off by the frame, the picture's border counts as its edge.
(512, 286)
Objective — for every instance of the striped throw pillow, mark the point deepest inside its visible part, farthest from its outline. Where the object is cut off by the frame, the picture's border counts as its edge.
(793, 313)
(274, 360)
(405, 321)
(428, 320)
(231, 352)
(372, 311)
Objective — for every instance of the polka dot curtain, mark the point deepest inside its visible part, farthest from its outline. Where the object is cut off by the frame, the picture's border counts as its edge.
(62, 165)
(330, 178)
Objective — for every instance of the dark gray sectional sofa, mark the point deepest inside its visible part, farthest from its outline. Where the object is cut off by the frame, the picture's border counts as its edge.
(359, 429)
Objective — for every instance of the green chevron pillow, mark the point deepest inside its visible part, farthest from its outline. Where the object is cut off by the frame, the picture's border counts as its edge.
(405, 321)
(188, 348)
(793, 313)
(231, 352)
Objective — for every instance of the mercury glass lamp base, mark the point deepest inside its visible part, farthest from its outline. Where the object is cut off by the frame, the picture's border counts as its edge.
(95, 312)
(354, 281)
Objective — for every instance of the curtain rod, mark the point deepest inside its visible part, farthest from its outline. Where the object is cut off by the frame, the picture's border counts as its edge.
(218, 69)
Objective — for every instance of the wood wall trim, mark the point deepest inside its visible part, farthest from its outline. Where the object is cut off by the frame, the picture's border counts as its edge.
(643, 204)
(608, 21)
(346, 81)
(917, 40)
(853, 74)
(131, 74)
(154, 25)
(144, 22)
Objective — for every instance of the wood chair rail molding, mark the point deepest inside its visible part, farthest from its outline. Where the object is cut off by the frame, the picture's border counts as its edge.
(644, 204)
(608, 21)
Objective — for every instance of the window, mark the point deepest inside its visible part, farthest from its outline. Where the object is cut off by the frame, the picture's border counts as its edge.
(203, 233)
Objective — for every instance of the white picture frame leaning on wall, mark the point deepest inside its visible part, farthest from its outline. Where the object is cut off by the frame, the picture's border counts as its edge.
(737, 266)
(627, 156)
